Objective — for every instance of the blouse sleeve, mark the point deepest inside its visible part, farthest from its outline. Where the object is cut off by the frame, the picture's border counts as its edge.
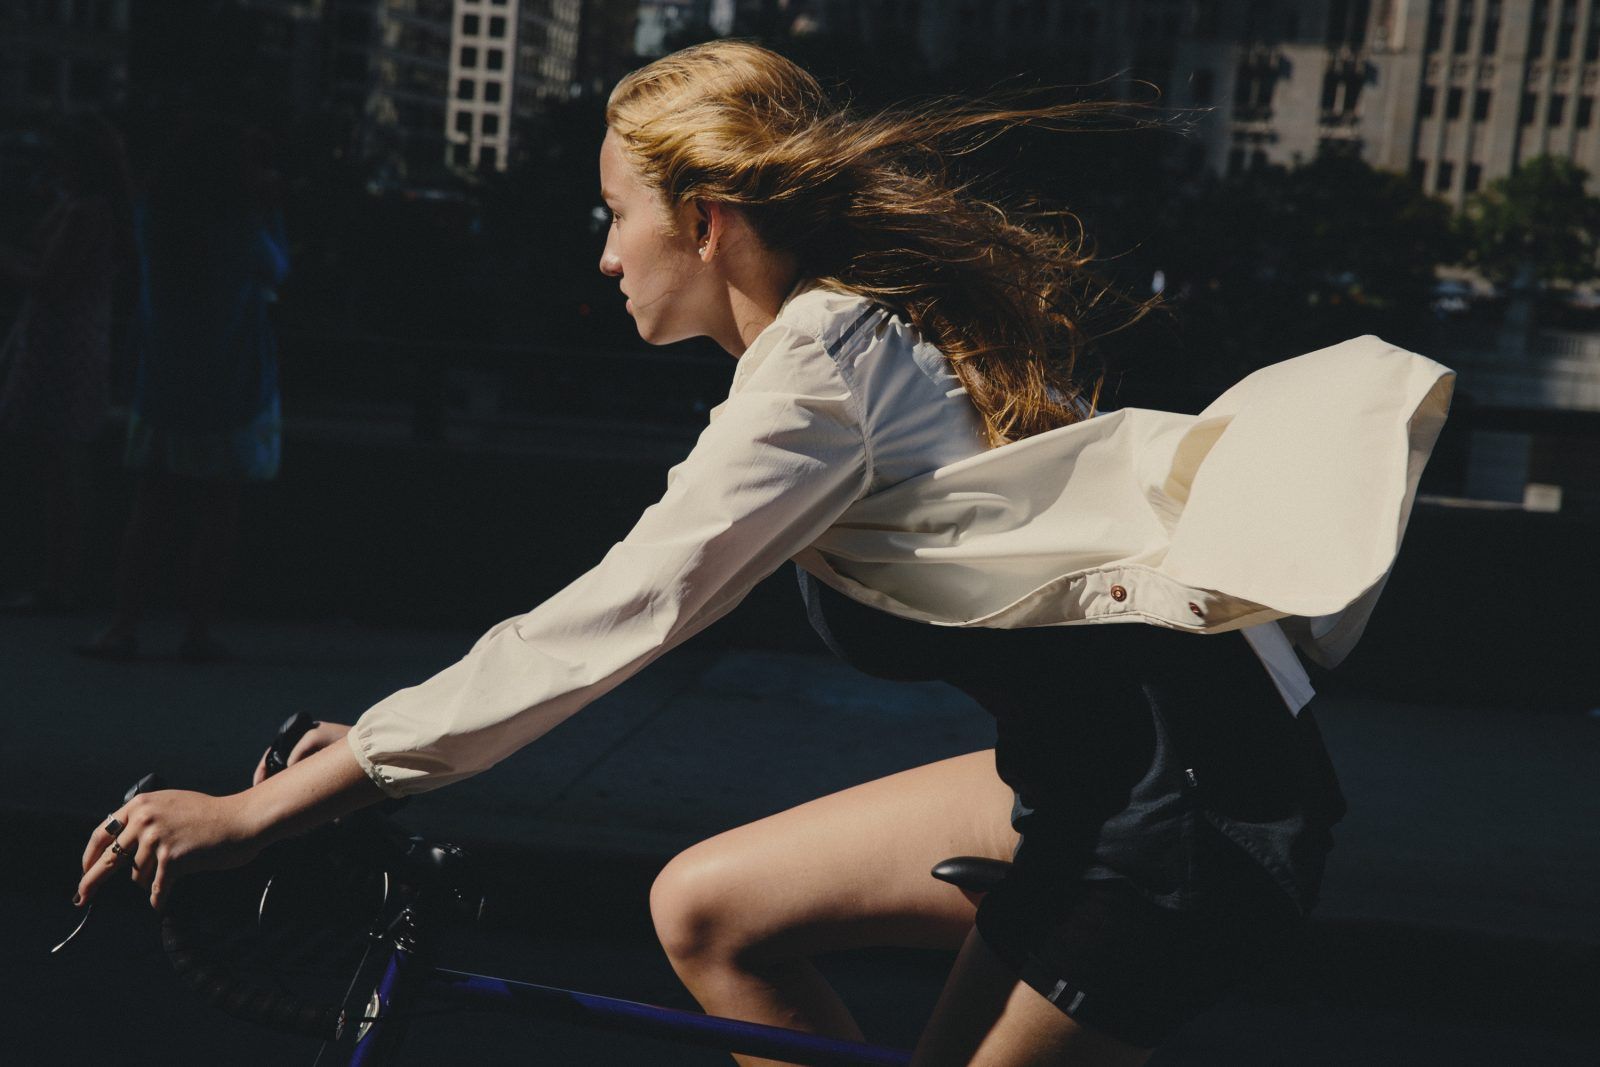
(780, 460)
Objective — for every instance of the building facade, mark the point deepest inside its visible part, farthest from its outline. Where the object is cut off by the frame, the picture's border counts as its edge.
(1452, 92)
(508, 59)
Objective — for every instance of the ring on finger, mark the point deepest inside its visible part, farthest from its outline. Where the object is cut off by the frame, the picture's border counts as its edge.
(118, 851)
(113, 827)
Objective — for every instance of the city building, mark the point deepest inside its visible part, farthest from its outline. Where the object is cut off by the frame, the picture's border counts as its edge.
(1453, 92)
(508, 58)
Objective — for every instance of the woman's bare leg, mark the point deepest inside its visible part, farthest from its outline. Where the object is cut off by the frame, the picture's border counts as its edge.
(739, 914)
(986, 1017)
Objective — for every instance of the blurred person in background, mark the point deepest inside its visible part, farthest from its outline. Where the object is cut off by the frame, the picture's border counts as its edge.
(205, 417)
(55, 360)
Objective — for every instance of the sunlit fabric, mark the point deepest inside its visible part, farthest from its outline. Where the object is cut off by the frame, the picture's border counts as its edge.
(848, 445)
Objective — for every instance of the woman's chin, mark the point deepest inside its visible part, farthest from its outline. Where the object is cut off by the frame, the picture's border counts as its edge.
(653, 333)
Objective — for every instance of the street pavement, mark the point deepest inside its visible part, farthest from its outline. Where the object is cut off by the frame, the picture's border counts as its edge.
(1462, 886)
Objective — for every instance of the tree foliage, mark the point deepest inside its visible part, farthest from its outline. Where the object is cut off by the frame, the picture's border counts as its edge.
(1272, 261)
(1538, 222)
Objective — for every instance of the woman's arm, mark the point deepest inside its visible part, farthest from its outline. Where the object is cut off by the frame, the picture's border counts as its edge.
(781, 459)
(174, 832)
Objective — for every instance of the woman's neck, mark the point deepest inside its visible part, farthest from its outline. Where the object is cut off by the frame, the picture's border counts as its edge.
(755, 294)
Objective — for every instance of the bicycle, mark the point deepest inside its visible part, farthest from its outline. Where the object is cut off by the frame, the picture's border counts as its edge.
(367, 874)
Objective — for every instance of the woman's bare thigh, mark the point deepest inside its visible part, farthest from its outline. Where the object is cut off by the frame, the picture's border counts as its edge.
(851, 869)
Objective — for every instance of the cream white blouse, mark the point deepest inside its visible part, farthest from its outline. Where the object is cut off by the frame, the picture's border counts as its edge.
(847, 444)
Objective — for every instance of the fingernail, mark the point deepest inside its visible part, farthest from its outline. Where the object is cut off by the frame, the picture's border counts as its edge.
(77, 899)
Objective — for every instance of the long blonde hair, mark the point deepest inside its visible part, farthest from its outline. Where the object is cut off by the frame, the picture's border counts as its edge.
(868, 204)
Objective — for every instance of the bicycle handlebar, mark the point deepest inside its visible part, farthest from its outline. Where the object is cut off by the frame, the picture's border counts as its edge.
(430, 871)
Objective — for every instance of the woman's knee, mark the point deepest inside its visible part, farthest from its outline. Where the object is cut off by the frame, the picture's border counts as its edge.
(693, 905)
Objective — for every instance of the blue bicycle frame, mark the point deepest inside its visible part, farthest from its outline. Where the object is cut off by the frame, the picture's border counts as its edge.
(408, 977)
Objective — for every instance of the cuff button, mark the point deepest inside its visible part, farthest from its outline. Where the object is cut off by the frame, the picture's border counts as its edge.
(1118, 593)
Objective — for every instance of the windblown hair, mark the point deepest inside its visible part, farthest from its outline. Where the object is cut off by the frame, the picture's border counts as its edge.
(869, 204)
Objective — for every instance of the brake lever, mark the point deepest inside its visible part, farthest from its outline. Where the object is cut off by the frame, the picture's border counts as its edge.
(148, 784)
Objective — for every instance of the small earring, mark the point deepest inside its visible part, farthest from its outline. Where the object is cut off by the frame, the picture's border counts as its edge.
(703, 250)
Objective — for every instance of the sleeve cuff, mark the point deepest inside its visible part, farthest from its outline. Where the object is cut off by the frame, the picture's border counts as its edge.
(360, 742)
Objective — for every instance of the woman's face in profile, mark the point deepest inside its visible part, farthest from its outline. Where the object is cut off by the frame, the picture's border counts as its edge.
(660, 273)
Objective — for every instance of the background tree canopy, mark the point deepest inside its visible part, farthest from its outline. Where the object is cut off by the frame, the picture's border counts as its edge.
(1538, 223)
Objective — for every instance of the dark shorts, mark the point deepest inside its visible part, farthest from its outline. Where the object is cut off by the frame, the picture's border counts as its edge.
(1174, 815)
(1119, 964)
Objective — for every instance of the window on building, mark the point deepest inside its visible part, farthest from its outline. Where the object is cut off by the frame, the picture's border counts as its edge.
(1538, 28)
(1445, 177)
(1235, 160)
(1464, 16)
(1585, 116)
(1425, 101)
(1557, 110)
(1258, 159)
(469, 25)
(463, 122)
(1336, 13)
(1330, 89)
(1437, 10)
(1480, 105)
(488, 156)
(491, 125)
(1591, 40)
(497, 26)
(461, 154)
(1473, 178)
(1202, 84)
(1491, 28)
(1419, 173)
(1566, 28)
(1530, 109)
(466, 88)
(469, 56)
(496, 59)
(1252, 87)
(491, 92)
(1452, 104)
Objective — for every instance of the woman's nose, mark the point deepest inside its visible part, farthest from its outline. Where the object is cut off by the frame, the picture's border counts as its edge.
(610, 265)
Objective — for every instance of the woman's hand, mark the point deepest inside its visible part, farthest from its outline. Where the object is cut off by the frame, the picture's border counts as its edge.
(171, 833)
(318, 737)
(167, 834)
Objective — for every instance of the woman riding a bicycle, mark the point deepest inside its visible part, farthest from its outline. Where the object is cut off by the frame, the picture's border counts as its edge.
(907, 423)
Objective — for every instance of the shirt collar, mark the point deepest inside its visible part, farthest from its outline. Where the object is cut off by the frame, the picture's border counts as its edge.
(802, 286)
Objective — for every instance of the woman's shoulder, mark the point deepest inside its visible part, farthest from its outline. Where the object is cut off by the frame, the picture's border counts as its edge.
(831, 316)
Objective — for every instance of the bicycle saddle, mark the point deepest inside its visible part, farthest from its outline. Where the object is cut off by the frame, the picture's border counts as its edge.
(972, 873)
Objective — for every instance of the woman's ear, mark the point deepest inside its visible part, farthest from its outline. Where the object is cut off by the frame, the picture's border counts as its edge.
(708, 225)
